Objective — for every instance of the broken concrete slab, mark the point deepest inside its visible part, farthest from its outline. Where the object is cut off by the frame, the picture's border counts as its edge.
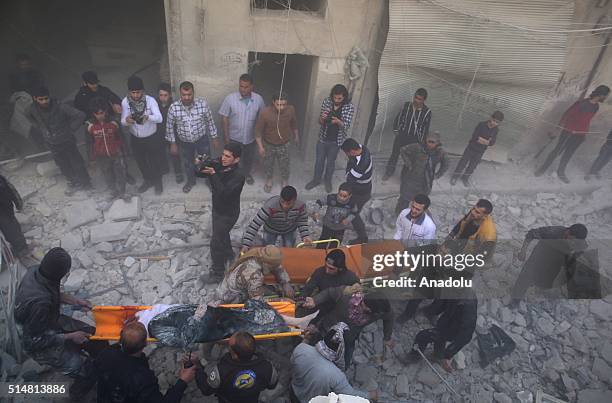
(75, 280)
(81, 213)
(602, 310)
(71, 241)
(124, 211)
(47, 169)
(110, 231)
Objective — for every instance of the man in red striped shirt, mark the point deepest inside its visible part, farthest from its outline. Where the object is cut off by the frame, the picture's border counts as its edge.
(575, 126)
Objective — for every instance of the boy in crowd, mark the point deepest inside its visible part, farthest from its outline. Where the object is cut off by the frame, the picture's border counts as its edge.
(484, 136)
(340, 214)
(106, 147)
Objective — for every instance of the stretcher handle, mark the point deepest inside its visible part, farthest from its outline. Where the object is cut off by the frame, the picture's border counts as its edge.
(301, 244)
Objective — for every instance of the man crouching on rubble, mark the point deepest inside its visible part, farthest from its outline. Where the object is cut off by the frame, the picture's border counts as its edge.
(245, 278)
(48, 336)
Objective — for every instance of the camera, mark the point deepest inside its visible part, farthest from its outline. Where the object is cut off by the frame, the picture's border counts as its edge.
(138, 117)
(206, 161)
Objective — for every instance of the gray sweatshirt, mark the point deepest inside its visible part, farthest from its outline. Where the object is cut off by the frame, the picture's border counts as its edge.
(313, 375)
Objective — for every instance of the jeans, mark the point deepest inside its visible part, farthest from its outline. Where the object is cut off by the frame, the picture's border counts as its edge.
(566, 147)
(471, 158)
(70, 162)
(398, 143)
(247, 158)
(147, 152)
(605, 154)
(221, 243)
(325, 159)
(287, 240)
(188, 154)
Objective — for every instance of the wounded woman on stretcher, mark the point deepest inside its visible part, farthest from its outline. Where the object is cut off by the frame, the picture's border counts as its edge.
(176, 325)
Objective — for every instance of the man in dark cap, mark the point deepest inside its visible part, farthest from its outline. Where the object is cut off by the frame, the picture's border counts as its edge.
(333, 274)
(92, 89)
(49, 337)
(140, 114)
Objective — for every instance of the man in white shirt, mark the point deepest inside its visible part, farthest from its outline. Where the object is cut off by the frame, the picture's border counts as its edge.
(414, 227)
(239, 111)
(140, 114)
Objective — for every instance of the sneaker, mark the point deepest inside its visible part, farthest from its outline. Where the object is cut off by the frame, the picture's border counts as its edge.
(312, 184)
(453, 180)
(159, 188)
(563, 178)
(328, 186)
(188, 186)
(179, 178)
(250, 180)
(145, 186)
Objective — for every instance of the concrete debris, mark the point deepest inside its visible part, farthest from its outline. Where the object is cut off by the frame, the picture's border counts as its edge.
(124, 211)
(602, 370)
(81, 213)
(75, 280)
(129, 261)
(502, 398)
(602, 310)
(47, 169)
(109, 232)
(71, 242)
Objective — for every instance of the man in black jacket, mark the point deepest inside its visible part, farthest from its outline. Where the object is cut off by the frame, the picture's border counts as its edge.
(556, 249)
(48, 336)
(240, 375)
(455, 326)
(10, 199)
(359, 170)
(411, 125)
(226, 186)
(124, 375)
(92, 89)
(58, 123)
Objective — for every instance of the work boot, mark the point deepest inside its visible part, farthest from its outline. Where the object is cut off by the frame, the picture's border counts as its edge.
(328, 185)
(312, 184)
(563, 178)
(188, 186)
(146, 185)
(453, 180)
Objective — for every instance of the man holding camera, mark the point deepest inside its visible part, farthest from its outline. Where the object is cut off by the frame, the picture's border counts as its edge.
(140, 114)
(192, 120)
(226, 182)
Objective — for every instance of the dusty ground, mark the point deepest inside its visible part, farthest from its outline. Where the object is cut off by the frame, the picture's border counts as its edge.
(563, 347)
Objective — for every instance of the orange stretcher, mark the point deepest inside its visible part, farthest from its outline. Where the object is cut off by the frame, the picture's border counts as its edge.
(110, 320)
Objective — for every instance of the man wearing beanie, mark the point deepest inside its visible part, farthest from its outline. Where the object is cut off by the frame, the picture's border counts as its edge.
(92, 89)
(49, 337)
(333, 274)
(140, 114)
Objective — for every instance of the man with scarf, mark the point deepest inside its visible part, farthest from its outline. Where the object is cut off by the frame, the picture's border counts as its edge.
(140, 114)
(354, 307)
(411, 125)
(422, 164)
(245, 278)
(318, 369)
(48, 336)
(10, 200)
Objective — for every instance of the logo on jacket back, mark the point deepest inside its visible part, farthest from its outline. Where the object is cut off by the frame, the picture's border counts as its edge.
(245, 379)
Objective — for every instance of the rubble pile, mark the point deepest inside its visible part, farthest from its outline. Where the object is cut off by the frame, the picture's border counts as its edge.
(155, 249)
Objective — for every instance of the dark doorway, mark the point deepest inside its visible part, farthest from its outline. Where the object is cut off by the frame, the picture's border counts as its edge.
(267, 71)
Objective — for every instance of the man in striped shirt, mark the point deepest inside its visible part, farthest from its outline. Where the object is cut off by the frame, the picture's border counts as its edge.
(411, 126)
(191, 119)
(280, 216)
(359, 170)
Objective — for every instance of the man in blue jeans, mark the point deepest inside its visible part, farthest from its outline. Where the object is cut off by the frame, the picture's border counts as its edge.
(335, 119)
(192, 120)
(280, 216)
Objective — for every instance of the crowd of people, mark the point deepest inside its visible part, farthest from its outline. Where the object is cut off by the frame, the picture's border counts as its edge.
(160, 132)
